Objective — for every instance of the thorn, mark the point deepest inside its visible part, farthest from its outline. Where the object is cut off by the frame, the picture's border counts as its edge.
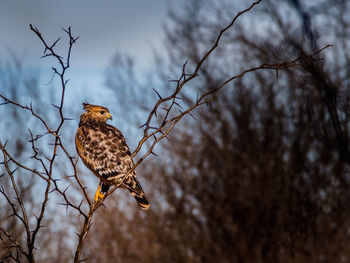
(55, 106)
(35, 29)
(184, 69)
(54, 70)
(178, 104)
(4, 103)
(64, 204)
(65, 30)
(154, 153)
(192, 116)
(68, 119)
(55, 43)
(66, 189)
(142, 125)
(11, 215)
(186, 62)
(160, 97)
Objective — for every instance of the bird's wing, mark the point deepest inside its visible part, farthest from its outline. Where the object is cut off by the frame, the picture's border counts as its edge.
(104, 150)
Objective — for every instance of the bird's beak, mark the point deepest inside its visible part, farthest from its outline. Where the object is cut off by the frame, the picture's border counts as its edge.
(109, 116)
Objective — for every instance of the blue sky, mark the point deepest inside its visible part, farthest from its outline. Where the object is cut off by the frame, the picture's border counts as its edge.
(105, 27)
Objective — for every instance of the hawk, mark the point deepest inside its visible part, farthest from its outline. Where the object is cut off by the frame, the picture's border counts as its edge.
(103, 149)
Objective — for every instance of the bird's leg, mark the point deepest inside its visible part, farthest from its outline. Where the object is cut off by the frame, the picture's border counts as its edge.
(99, 194)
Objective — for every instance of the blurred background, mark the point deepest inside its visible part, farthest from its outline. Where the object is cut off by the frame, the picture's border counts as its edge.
(261, 174)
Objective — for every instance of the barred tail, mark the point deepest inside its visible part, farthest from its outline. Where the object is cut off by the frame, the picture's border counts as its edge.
(141, 201)
(136, 190)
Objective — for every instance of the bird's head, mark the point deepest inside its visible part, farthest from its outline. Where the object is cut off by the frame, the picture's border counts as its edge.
(96, 112)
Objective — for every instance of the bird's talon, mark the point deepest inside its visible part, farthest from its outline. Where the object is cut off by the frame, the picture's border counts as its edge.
(98, 194)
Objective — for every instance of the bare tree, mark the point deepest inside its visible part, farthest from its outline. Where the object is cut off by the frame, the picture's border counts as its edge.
(162, 118)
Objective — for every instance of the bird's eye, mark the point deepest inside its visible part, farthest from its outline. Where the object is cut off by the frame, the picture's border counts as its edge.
(102, 112)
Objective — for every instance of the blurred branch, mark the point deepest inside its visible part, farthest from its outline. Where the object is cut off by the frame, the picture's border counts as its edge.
(329, 92)
(14, 243)
(167, 123)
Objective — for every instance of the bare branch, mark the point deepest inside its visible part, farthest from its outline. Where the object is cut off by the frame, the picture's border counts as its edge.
(21, 204)
(204, 58)
(15, 243)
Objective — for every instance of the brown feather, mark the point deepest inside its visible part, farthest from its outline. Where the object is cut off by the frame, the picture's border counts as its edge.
(103, 149)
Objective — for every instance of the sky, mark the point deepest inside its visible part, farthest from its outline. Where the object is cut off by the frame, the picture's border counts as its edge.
(105, 27)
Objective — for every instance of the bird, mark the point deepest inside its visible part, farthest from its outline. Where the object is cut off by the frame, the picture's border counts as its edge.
(103, 149)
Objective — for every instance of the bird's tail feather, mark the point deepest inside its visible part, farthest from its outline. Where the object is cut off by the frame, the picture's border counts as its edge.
(136, 190)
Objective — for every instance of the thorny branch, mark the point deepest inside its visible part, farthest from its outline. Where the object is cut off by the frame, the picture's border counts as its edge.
(152, 134)
(14, 244)
(167, 124)
(47, 163)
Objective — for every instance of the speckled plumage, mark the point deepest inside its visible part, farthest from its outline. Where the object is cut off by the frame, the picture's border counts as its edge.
(103, 149)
